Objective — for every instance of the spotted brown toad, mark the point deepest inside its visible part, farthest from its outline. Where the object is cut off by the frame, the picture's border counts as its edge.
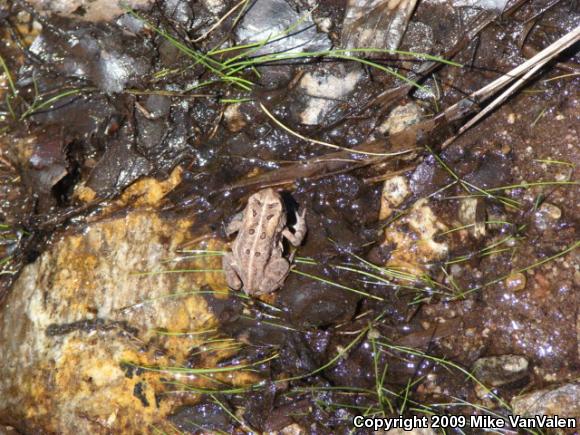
(257, 264)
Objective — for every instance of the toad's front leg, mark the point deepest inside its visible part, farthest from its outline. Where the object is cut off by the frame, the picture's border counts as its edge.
(300, 229)
(235, 224)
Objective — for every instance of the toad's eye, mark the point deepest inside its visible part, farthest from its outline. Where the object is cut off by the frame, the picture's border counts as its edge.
(272, 205)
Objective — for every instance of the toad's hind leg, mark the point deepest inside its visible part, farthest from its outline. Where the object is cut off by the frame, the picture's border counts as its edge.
(231, 272)
(274, 275)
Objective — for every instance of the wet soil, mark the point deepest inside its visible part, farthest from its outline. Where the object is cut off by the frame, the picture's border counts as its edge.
(126, 106)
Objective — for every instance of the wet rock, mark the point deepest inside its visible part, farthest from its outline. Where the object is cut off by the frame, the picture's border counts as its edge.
(412, 239)
(79, 120)
(315, 303)
(149, 192)
(216, 7)
(493, 170)
(400, 118)
(472, 214)
(296, 356)
(157, 106)
(497, 5)
(112, 152)
(130, 23)
(119, 166)
(179, 10)
(274, 82)
(423, 178)
(104, 54)
(375, 23)
(47, 166)
(258, 405)
(354, 370)
(79, 317)
(341, 211)
(89, 10)
(285, 29)
(546, 216)
(563, 401)
(496, 371)
(324, 89)
(170, 55)
(395, 191)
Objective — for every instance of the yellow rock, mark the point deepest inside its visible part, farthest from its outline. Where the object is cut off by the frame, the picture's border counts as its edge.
(90, 330)
(412, 237)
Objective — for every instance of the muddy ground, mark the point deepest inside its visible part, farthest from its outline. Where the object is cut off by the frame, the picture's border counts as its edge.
(390, 305)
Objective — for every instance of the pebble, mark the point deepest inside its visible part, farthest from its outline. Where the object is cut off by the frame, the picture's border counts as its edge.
(516, 282)
(400, 118)
(500, 370)
(547, 215)
(472, 213)
(552, 211)
(395, 191)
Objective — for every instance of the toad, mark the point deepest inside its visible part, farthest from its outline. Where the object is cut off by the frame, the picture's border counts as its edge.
(257, 264)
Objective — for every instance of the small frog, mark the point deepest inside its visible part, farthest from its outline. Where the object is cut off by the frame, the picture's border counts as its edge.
(256, 263)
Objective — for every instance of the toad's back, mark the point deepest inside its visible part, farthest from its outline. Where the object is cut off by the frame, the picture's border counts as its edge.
(260, 236)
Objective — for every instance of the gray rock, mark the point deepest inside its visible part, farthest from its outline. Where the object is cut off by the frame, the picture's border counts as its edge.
(179, 10)
(376, 23)
(285, 29)
(105, 55)
(94, 10)
(324, 89)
